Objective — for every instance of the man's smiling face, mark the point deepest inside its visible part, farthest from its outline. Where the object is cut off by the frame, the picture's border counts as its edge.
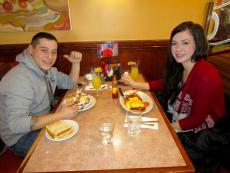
(44, 53)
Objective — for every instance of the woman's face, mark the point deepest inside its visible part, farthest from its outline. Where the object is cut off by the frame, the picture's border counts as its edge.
(183, 46)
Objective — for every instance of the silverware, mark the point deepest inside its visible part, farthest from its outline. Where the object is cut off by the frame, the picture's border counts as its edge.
(81, 107)
(103, 87)
(122, 94)
(151, 121)
(148, 123)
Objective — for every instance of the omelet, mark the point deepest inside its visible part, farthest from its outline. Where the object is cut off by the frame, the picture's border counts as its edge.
(134, 102)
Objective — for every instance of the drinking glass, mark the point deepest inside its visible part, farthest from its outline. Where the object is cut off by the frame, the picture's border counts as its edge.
(134, 72)
(96, 82)
(106, 129)
(134, 122)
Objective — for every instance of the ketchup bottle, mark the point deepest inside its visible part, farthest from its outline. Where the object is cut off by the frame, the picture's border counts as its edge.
(102, 65)
(114, 87)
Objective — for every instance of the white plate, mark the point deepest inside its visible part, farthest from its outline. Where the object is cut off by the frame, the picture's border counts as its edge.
(75, 127)
(144, 97)
(92, 102)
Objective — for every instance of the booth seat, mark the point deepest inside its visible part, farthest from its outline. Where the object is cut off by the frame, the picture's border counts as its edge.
(9, 163)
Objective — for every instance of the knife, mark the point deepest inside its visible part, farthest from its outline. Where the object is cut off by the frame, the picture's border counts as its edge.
(148, 122)
(121, 92)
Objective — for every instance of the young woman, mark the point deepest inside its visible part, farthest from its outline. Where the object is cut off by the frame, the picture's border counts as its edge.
(192, 88)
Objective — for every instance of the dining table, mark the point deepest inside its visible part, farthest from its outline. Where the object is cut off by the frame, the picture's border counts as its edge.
(153, 150)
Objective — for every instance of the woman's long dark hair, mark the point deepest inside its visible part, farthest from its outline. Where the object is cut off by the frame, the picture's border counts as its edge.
(174, 73)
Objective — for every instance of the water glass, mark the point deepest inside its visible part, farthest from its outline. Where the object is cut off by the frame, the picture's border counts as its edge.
(106, 129)
(134, 122)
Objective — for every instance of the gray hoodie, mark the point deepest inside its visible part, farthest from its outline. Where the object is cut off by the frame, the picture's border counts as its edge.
(23, 93)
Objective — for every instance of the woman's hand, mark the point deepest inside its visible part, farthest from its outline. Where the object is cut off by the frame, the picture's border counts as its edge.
(176, 126)
(74, 57)
(127, 80)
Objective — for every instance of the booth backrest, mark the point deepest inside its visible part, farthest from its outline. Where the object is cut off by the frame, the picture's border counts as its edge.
(151, 55)
(222, 63)
(5, 67)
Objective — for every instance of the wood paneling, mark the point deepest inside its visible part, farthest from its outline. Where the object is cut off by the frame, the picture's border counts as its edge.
(151, 54)
(9, 52)
(222, 63)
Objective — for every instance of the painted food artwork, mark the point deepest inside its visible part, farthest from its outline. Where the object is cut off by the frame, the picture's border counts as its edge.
(34, 15)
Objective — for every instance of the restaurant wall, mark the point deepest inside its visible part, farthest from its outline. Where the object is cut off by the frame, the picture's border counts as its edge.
(100, 20)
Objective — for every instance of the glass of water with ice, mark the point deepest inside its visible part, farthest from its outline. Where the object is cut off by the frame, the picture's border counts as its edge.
(134, 122)
(106, 129)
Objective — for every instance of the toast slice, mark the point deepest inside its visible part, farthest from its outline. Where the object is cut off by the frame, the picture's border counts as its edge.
(59, 129)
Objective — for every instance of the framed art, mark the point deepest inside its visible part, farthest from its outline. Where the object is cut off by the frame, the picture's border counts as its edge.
(107, 49)
(34, 15)
(217, 22)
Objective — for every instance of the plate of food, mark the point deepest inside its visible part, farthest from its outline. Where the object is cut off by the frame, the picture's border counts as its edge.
(136, 100)
(83, 100)
(90, 104)
(61, 130)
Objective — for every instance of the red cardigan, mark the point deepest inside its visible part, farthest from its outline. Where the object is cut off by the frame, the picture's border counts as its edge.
(201, 101)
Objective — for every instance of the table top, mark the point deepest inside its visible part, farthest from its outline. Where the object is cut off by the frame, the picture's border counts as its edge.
(153, 149)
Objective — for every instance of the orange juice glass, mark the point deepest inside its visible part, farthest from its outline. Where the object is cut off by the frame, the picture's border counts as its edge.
(96, 82)
(134, 72)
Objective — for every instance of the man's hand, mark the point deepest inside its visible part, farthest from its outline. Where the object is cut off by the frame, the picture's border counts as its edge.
(68, 111)
(74, 57)
(64, 112)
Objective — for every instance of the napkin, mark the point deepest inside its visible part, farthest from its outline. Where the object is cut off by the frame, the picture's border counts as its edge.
(153, 125)
(103, 87)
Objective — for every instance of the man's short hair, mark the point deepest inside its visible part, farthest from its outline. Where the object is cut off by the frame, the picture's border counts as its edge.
(40, 35)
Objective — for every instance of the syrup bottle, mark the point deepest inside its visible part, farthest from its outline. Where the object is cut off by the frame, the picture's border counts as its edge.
(114, 87)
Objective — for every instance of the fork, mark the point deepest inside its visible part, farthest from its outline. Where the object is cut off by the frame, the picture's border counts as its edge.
(122, 94)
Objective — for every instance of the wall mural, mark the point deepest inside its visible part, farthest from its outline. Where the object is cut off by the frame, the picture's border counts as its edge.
(34, 15)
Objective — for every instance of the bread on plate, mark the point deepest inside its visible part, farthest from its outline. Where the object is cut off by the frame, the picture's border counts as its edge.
(59, 129)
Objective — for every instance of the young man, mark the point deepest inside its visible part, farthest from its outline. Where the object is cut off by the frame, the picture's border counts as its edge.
(26, 93)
